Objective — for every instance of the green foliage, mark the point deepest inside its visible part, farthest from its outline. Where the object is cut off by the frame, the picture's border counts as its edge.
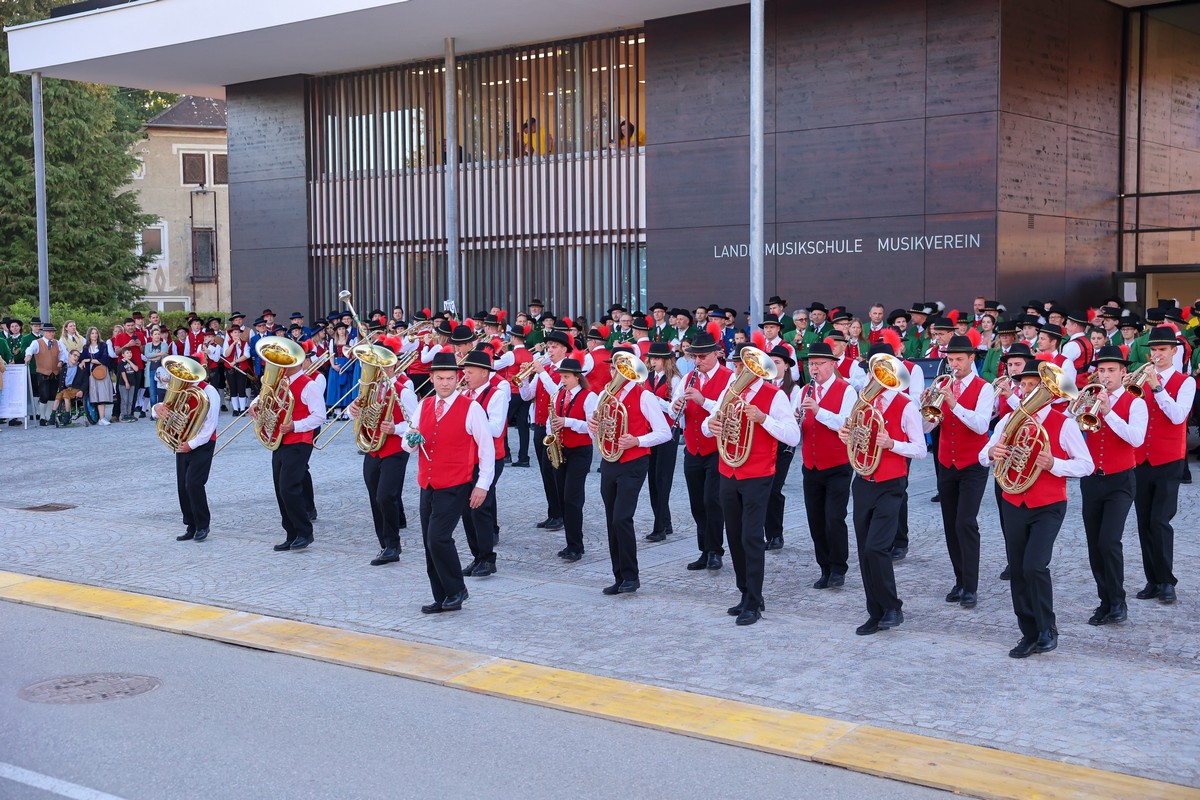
(86, 317)
(136, 106)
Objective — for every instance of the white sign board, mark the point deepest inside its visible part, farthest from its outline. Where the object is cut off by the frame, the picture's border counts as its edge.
(16, 394)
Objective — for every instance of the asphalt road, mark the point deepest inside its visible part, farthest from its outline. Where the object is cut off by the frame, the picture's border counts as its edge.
(229, 722)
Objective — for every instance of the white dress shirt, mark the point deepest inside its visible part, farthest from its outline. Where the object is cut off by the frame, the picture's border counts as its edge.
(1133, 431)
(1175, 409)
(1077, 464)
(496, 409)
(826, 417)
(659, 432)
(589, 408)
(709, 405)
(910, 423)
(977, 419)
(529, 388)
(588, 363)
(429, 351)
(209, 426)
(795, 368)
(916, 384)
(858, 377)
(409, 401)
(477, 428)
(504, 361)
(1073, 349)
(780, 421)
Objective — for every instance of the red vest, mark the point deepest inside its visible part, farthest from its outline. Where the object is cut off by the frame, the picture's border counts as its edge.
(499, 441)
(541, 400)
(573, 409)
(1165, 441)
(1047, 489)
(893, 465)
(300, 411)
(697, 443)
(521, 357)
(765, 446)
(393, 444)
(1082, 361)
(660, 388)
(419, 367)
(637, 425)
(601, 372)
(451, 449)
(195, 342)
(1110, 452)
(958, 445)
(844, 366)
(821, 447)
(643, 346)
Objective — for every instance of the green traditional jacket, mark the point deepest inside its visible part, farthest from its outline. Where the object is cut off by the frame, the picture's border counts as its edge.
(812, 335)
(1139, 351)
(787, 325)
(991, 365)
(535, 336)
(617, 337)
(915, 344)
(12, 348)
(665, 335)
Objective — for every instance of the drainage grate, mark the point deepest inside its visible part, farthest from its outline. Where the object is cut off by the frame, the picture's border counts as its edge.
(94, 688)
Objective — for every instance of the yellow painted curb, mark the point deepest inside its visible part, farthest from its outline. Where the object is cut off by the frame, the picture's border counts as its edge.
(962, 768)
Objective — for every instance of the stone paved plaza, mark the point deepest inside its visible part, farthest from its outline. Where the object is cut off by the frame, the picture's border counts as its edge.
(1123, 698)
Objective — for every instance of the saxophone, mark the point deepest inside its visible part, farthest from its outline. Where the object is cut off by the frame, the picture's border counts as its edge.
(553, 442)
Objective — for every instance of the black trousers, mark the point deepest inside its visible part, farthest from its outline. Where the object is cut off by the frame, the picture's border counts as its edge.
(620, 485)
(744, 503)
(237, 384)
(1106, 502)
(441, 509)
(1029, 535)
(1156, 500)
(44, 386)
(826, 496)
(935, 436)
(876, 506)
(191, 476)
(480, 523)
(661, 477)
(569, 488)
(289, 468)
(962, 492)
(902, 519)
(703, 477)
(518, 420)
(553, 504)
(384, 478)
(776, 502)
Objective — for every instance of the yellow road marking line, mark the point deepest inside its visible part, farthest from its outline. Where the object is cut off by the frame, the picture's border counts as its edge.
(963, 768)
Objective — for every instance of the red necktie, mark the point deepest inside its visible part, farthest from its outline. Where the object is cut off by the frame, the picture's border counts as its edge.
(441, 408)
(957, 388)
(820, 391)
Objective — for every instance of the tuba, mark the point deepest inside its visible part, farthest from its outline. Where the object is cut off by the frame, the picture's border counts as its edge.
(737, 434)
(275, 402)
(933, 398)
(1024, 436)
(1135, 382)
(186, 403)
(1085, 408)
(865, 422)
(611, 415)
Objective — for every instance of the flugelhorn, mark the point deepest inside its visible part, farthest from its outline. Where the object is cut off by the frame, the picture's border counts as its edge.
(523, 374)
(1024, 436)
(933, 398)
(1135, 382)
(865, 423)
(1085, 407)
(611, 416)
(737, 434)
(186, 403)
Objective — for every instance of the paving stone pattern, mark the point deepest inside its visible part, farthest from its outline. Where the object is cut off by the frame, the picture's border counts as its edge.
(1124, 698)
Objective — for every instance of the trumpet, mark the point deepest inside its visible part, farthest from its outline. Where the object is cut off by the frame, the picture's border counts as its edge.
(933, 398)
(1002, 383)
(417, 330)
(523, 374)
(1135, 382)
(1085, 406)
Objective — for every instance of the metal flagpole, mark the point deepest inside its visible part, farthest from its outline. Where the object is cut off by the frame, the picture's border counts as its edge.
(39, 184)
(453, 289)
(757, 155)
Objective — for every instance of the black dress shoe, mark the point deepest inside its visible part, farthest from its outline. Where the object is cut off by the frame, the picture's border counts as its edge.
(837, 580)
(891, 619)
(611, 590)
(484, 569)
(734, 611)
(524, 462)
(454, 602)
(969, 600)
(433, 608)
(1047, 640)
(955, 595)
(628, 587)
(301, 543)
(1119, 613)
(555, 524)
(1099, 616)
(387, 555)
(403, 523)
(201, 534)
(187, 537)
(822, 582)
(699, 563)
(748, 616)
(571, 555)
(1025, 648)
(898, 553)
(543, 523)
(467, 570)
(714, 561)
(937, 498)
(279, 548)
(312, 515)
(776, 543)
(1006, 574)
(1166, 594)
(1151, 591)
(868, 627)
(1187, 476)
(657, 536)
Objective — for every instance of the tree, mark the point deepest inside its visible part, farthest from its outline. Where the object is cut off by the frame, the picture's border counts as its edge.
(136, 106)
(92, 225)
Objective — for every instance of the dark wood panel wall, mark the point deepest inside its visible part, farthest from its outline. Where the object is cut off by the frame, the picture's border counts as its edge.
(892, 126)
(268, 200)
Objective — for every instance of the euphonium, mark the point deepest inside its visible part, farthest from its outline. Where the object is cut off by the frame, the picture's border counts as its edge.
(1135, 382)
(377, 397)
(611, 415)
(275, 402)
(737, 434)
(933, 398)
(186, 403)
(552, 441)
(1024, 436)
(1085, 408)
(865, 423)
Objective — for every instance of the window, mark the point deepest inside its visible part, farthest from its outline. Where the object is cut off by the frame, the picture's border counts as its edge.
(152, 243)
(194, 168)
(204, 255)
(220, 169)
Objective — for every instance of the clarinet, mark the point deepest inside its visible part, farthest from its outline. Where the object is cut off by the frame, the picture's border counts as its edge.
(691, 379)
(812, 387)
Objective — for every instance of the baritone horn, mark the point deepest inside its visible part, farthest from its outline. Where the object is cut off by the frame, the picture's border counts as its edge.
(737, 434)
(273, 406)
(186, 403)
(1024, 436)
(865, 423)
(611, 415)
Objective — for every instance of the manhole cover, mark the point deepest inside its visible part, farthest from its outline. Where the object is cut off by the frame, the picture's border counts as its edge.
(95, 688)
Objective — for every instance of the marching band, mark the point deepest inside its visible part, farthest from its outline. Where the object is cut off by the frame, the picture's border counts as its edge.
(1043, 403)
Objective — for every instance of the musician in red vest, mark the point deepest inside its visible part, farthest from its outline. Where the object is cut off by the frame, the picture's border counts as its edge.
(480, 523)
(621, 480)
(767, 417)
(193, 461)
(696, 398)
(772, 328)
(877, 501)
(384, 469)
(966, 415)
(289, 462)
(518, 407)
(194, 346)
(1108, 492)
(1033, 519)
(1078, 347)
(641, 335)
(1049, 338)
(826, 404)
(1008, 396)
(1161, 462)
(455, 466)
(601, 372)
(573, 405)
(663, 381)
(539, 389)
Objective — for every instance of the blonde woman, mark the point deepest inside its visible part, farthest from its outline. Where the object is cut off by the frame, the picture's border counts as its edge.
(71, 337)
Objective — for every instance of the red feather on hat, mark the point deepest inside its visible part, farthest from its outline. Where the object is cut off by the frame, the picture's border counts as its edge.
(393, 342)
(497, 345)
(952, 315)
(1091, 314)
(649, 322)
(501, 316)
(1125, 351)
(425, 311)
(829, 341)
(1187, 313)
(714, 330)
(605, 330)
(447, 348)
(1044, 357)
(759, 340)
(973, 335)
(470, 323)
(892, 339)
(566, 321)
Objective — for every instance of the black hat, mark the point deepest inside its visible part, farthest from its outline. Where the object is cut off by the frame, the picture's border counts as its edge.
(1030, 371)
(683, 312)
(769, 319)
(571, 365)
(1164, 334)
(211, 320)
(259, 321)
(137, 315)
(841, 315)
(236, 315)
(48, 326)
(965, 317)
(991, 305)
(595, 335)
(777, 301)
(1037, 305)
(7, 321)
(714, 307)
(491, 319)
(266, 311)
(558, 337)
(819, 350)
(815, 306)
(880, 349)
(1052, 330)
(784, 353)
(704, 343)
(1056, 308)
(717, 313)
(1110, 354)
(296, 315)
(443, 328)
(519, 332)
(536, 302)
(290, 329)
(1079, 318)
(478, 358)
(960, 344)
(341, 326)
(479, 316)
(941, 324)
(443, 361)
(462, 334)
(1018, 350)
(1130, 320)
(660, 350)
(625, 347)
(837, 336)
(1006, 326)
(639, 323)
(1155, 315)
(898, 314)
(1028, 319)
(919, 307)
(1174, 313)
(658, 306)
(1108, 312)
